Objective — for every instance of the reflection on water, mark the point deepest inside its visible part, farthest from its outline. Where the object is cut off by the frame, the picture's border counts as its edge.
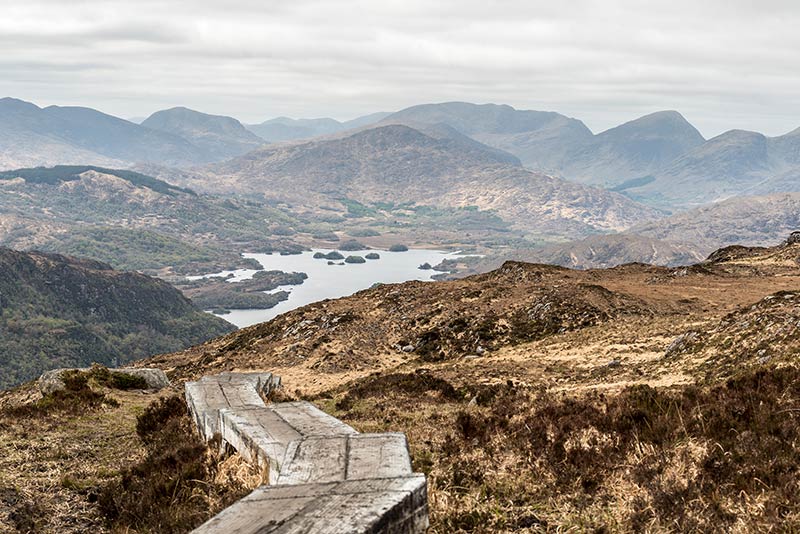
(332, 281)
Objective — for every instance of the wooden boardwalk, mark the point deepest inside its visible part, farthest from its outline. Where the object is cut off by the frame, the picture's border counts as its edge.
(324, 476)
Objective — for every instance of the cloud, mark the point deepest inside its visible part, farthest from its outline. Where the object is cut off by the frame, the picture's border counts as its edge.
(724, 64)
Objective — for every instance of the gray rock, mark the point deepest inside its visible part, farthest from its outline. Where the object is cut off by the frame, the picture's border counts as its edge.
(613, 364)
(408, 348)
(51, 381)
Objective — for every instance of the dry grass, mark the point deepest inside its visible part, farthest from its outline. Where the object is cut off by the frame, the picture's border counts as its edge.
(93, 459)
(53, 463)
(507, 458)
(180, 482)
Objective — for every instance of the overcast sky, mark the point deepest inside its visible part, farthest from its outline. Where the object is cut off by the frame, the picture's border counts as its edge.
(722, 63)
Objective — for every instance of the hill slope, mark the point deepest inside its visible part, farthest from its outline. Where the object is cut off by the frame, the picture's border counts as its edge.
(57, 311)
(533, 397)
(221, 137)
(585, 395)
(747, 220)
(398, 164)
(130, 220)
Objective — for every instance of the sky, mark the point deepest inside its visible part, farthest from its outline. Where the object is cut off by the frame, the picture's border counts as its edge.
(723, 64)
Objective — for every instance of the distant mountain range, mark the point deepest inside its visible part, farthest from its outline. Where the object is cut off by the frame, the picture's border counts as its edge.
(30, 135)
(551, 142)
(732, 164)
(286, 129)
(659, 159)
(65, 312)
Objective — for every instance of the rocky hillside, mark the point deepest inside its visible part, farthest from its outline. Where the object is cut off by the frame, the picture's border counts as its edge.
(57, 311)
(401, 165)
(747, 220)
(130, 220)
(220, 137)
(515, 304)
(680, 239)
(602, 251)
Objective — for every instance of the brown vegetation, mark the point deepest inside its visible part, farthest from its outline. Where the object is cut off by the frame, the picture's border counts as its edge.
(178, 484)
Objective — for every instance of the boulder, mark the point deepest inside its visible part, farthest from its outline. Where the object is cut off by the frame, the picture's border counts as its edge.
(51, 381)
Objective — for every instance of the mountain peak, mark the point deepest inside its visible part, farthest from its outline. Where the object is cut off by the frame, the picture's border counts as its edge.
(221, 136)
(10, 103)
(667, 123)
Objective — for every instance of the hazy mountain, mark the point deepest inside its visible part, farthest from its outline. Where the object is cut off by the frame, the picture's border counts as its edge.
(30, 135)
(632, 150)
(539, 139)
(398, 164)
(286, 129)
(553, 143)
(365, 120)
(220, 137)
(63, 312)
(732, 164)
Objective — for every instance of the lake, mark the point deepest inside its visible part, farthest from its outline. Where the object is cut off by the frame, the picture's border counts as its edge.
(332, 281)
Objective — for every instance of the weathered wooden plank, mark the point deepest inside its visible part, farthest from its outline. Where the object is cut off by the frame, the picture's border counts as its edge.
(378, 456)
(242, 395)
(395, 506)
(263, 444)
(315, 460)
(309, 420)
(348, 457)
(252, 517)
